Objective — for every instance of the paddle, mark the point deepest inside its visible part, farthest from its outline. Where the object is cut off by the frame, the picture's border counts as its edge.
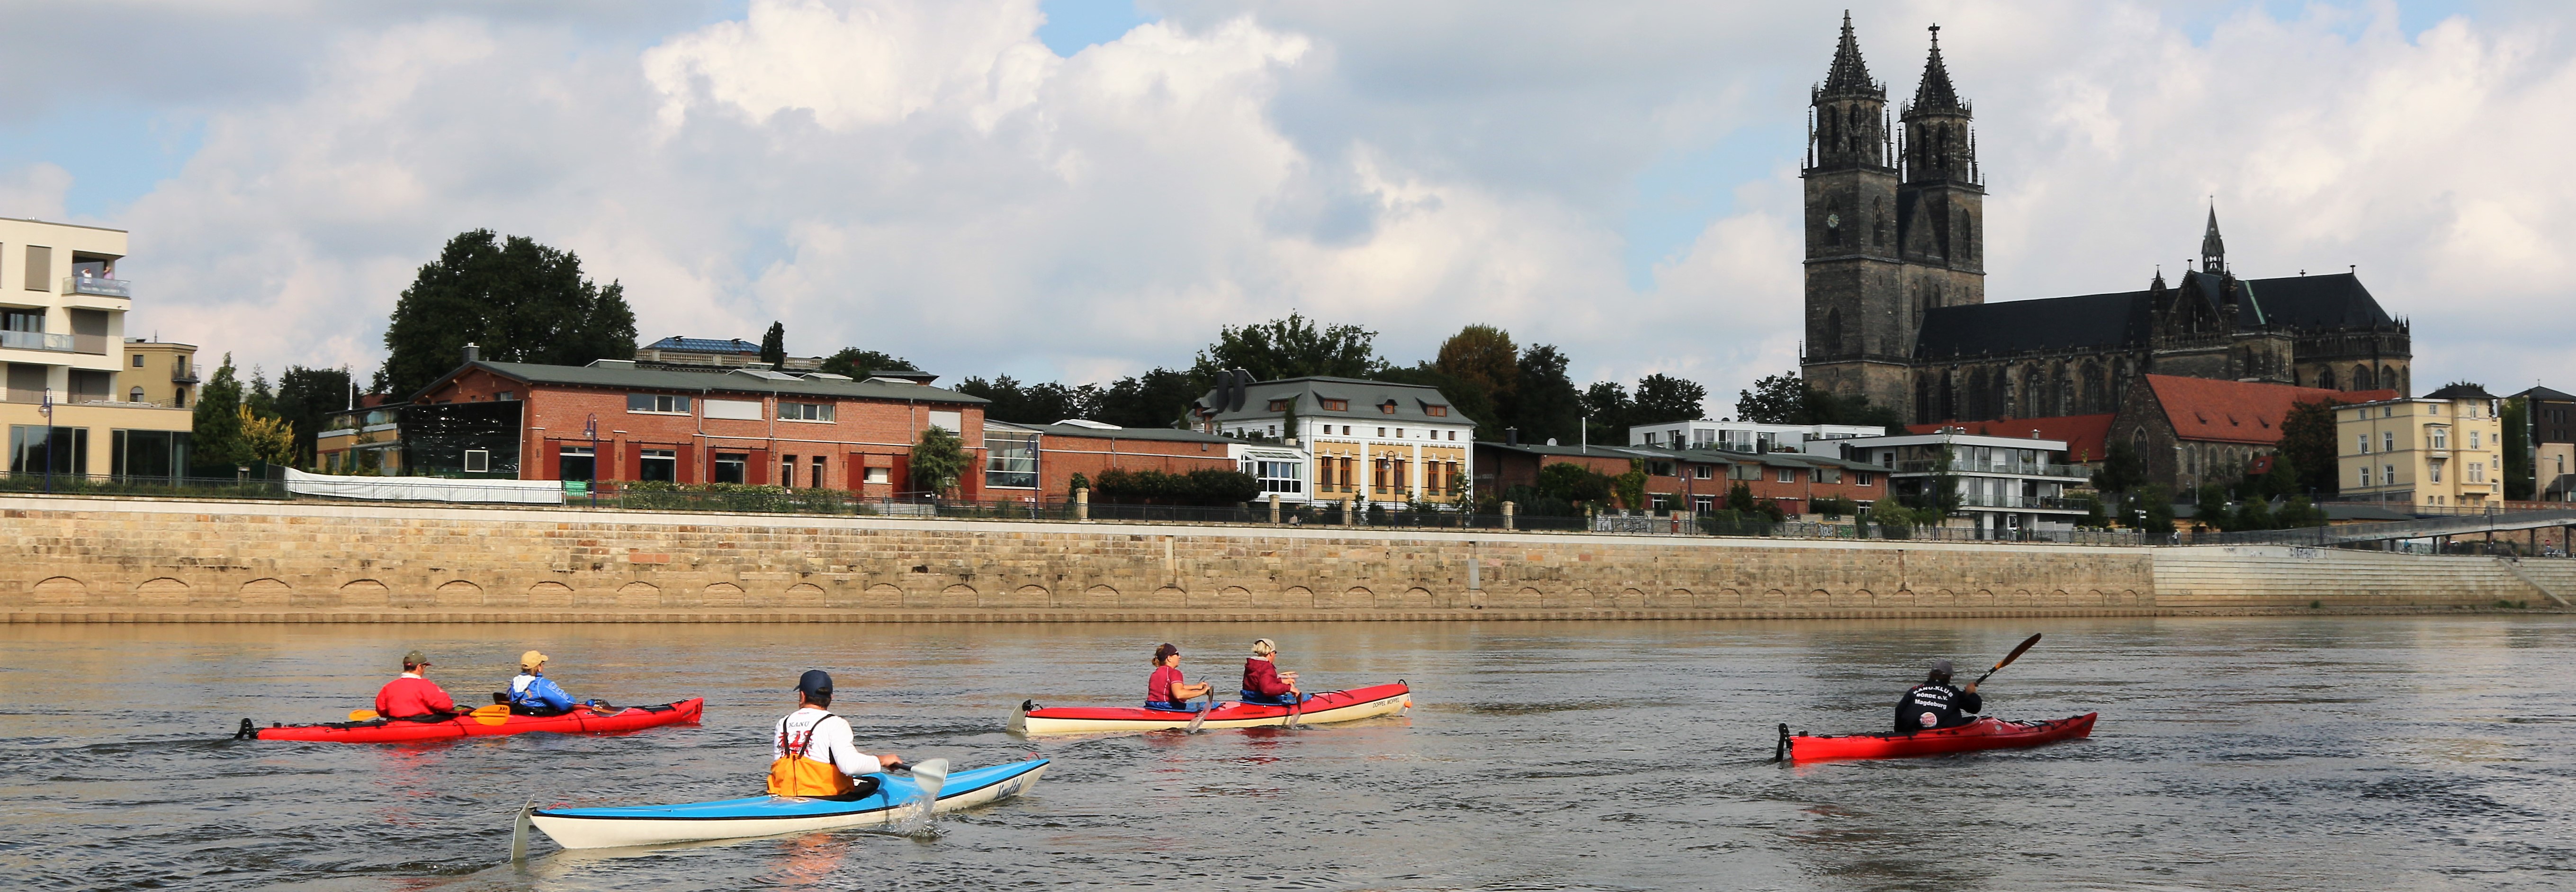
(1201, 718)
(1296, 709)
(363, 715)
(2008, 659)
(928, 776)
(519, 834)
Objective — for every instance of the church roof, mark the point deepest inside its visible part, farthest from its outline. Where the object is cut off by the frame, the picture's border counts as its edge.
(2211, 410)
(1935, 93)
(2299, 303)
(1849, 74)
(2210, 244)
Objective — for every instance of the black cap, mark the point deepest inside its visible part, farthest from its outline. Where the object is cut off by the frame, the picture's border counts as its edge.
(814, 681)
(1939, 667)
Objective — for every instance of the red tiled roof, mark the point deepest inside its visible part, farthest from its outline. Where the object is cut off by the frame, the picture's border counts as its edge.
(2084, 434)
(2240, 411)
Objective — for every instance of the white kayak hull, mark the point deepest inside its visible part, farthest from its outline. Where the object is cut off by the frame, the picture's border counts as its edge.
(1324, 709)
(599, 828)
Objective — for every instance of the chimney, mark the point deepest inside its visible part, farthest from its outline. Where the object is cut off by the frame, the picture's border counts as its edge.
(473, 353)
(1511, 436)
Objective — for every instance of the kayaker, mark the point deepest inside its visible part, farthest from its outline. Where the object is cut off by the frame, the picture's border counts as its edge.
(412, 695)
(1166, 690)
(1937, 704)
(815, 754)
(532, 693)
(1263, 683)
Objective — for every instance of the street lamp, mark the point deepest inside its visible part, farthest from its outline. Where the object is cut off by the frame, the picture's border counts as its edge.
(591, 429)
(45, 407)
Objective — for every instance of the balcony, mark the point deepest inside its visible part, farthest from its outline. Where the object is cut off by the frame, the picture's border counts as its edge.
(37, 340)
(2032, 469)
(183, 373)
(98, 286)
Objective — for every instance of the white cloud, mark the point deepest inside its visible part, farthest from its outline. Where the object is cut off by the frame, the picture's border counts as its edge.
(929, 179)
(34, 192)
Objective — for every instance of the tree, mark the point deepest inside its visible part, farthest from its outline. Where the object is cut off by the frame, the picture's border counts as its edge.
(1159, 398)
(1606, 410)
(1786, 399)
(1662, 398)
(938, 461)
(1466, 398)
(1739, 497)
(857, 363)
(1939, 497)
(518, 300)
(307, 399)
(215, 441)
(1045, 403)
(2121, 469)
(1288, 348)
(1574, 484)
(1545, 404)
(1483, 356)
(2308, 441)
(2157, 510)
(2516, 417)
(268, 439)
(773, 346)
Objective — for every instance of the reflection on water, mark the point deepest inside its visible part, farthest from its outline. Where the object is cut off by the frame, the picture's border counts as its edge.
(2313, 753)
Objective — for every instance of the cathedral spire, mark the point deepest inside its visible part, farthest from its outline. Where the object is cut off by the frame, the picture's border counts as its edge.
(1849, 75)
(1935, 94)
(2213, 250)
(1939, 145)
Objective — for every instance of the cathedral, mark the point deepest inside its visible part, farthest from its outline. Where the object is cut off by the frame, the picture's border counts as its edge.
(1896, 285)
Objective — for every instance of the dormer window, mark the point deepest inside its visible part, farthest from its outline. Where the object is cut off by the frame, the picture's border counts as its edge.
(1334, 405)
(1278, 405)
(1386, 408)
(1436, 411)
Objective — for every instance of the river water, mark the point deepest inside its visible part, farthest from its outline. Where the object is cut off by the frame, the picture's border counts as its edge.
(2285, 753)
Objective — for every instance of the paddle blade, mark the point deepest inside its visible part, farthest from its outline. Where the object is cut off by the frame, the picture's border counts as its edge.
(362, 715)
(1197, 720)
(519, 834)
(911, 817)
(2008, 658)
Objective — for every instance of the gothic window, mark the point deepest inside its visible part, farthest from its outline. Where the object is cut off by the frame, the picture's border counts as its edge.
(1833, 341)
(2361, 378)
(1979, 391)
(1923, 399)
(2388, 378)
(2033, 404)
(1959, 241)
(2091, 400)
(2325, 378)
(1949, 397)
(1878, 222)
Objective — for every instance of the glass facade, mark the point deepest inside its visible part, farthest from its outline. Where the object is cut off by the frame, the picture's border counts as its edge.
(1010, 460)
(149, 454)
(36, 449)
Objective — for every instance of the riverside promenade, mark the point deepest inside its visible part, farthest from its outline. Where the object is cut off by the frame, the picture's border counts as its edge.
(72, 559)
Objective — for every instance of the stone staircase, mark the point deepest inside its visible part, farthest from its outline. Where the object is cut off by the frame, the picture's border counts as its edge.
(2255, 576)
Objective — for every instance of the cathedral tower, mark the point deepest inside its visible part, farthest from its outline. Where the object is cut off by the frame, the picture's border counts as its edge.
(1860, 335)
(1942, 198)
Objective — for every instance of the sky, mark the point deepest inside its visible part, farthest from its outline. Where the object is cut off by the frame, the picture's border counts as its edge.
(1085, 189)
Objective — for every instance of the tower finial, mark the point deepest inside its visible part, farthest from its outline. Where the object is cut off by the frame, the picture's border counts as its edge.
(2213, 249)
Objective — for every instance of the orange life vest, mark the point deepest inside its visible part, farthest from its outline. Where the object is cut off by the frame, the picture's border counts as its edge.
(794, 775)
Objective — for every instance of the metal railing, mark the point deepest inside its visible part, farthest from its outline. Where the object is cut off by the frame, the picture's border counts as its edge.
(184, 372)
(2031, 469)
(98, 286)
(37, 340)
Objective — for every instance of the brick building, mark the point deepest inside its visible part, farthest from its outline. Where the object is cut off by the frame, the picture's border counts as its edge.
(2192, 431)
(1693, 480)
(1038, 461)
(752, 426)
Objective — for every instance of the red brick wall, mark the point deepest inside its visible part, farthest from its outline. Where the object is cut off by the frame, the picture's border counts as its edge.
(1060, 456)
(862, 433)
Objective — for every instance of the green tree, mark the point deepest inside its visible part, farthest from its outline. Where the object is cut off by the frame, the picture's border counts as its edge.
(215, 443)
(1159, 398)
(1606, 410)
(2308, 441)
(1574, 484)
(1631, 486)
(1662, 398)
(2157, 509)
(1545, 404)
(1293, 347)
(307, 399)
(2122, 469)
(857, 363)
(2516, 417)
(518, 300)
(938, 461)
(2297, 513)
(1939, 497)
(1485, 357)
(1739, 498)
(1045, 403)
(2209, 506)
(773, 346)
(267, 439)
(2253, 514)
(1466, 398)
(1786, 399)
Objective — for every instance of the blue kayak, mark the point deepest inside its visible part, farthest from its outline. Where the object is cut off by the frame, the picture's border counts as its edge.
(644, 825)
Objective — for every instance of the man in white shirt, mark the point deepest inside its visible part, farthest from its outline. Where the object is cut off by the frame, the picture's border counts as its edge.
(815, 754)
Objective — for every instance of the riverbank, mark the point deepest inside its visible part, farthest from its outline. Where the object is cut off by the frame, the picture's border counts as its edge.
(139, 561)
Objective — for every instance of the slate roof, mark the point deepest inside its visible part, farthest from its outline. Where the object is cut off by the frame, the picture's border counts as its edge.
(2544, 393)
(2123, 319)
(627, 377)
(2086, 436)
(1163, 434)
(1849, 75)
(2461, 391)
(1412, 401)
(2209, 410)
(1703, 456)
(704, 345)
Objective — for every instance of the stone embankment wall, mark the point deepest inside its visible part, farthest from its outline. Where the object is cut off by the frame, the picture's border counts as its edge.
(77, 560)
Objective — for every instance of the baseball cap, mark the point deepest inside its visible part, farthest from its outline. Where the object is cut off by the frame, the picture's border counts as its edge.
(1941, 666)
(531, 660)
(814, 681)
(415, 658)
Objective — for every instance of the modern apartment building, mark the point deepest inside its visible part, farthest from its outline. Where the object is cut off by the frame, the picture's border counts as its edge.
(2442, 450)
(1742, 436)
(68, 398)
(1343, 439)
(2007, 485)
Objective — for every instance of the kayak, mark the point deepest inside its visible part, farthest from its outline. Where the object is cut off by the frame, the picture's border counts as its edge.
(1982, 734)
(1319, 709)
(644, 825)
(579, 721)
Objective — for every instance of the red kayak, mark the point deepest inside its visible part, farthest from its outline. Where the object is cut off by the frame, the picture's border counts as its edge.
(579, 721)
(1318, 709)
(1982, 734)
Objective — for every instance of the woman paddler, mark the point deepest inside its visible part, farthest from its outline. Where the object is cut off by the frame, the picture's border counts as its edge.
(1165, 690)
(814, 754)
(1263, 683)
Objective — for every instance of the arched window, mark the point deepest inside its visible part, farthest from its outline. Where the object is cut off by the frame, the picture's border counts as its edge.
(2325, 378)
(2361, 378)
(1979, 397)
(2388, 378)
(1878, 222)
(2091, 399)
(134, 396)
(1949, 397)
(1833, 340)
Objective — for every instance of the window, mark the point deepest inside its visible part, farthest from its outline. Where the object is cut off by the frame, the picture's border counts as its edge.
(1743, 472)
(1381, 433)
(1788, 475)
(659, 465)
(134, 396)
(804, 411)
(953, 421)
(1386, 408)
(576, 463)
(1453, 436)
(2473, 439)
(2388, 475)
(478, 461)
(508, 396)
(1010, 459)
(2441, 438)
(40, 268)
(2477, 472)
(2387, 441)
(818, 472)
(732, 467)
(2362, 444)
(1860, 478)
(1436, 411)
(1828, 475)
(1278, 476)
(1660, 469)
(35, 448)
(787, 471)
(738, 410)
(657, 403)
(1278, 405)
(1346, 430)
(1334, 405)
(878, 475)
(161, 454)
(1399, 433)
(1704, 504)
(2365, 475)
(138, 360)
(1652, 438)
(1661, 502)
(2433, 472)
(1703, 472)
